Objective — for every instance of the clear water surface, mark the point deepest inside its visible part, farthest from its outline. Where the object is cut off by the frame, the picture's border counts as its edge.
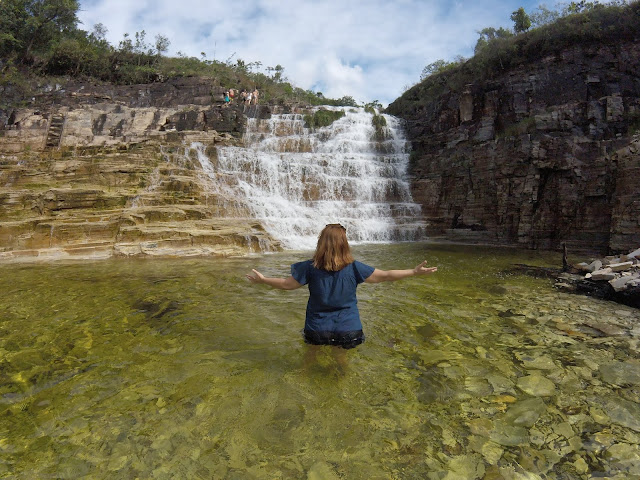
(181, 369)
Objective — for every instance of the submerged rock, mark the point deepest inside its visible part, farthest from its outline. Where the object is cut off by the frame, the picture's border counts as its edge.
(525, 413)
(622, 412)
(321, 471)
(625, 458)
(621, 373)
(469, 467)
(536, 385)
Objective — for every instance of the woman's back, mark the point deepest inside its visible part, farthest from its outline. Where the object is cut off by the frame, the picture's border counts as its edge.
(332, 301)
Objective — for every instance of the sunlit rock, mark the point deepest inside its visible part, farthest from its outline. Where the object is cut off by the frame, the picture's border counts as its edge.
(492, 452)
(620, 267)
(509, 436)
(540, 362)
(602, 274)
(581, 466)
(621, 283)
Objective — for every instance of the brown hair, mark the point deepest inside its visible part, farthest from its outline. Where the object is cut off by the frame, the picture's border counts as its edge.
(333, 252)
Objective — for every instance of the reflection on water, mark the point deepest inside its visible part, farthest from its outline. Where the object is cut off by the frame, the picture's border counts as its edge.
(181, 369)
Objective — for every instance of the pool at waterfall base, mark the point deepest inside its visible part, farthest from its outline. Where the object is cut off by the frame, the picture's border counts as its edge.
(181, 369)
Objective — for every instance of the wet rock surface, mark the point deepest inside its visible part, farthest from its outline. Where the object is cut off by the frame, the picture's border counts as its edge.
(614, 278)
(149, 199)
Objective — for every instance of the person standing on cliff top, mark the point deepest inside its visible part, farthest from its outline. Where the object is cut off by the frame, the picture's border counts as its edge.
(332, 274)
(255, 96)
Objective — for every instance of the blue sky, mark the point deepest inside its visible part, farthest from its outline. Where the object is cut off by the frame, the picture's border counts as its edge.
(368, 49)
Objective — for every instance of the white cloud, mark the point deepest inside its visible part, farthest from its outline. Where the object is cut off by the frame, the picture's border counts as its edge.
(368, 49)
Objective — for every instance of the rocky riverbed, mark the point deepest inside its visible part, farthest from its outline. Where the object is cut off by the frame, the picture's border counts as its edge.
(172, 369)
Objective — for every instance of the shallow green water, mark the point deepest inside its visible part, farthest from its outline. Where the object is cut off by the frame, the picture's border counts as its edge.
(181, 369)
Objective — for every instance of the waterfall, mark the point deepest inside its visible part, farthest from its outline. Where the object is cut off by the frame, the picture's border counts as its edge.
(295, 180)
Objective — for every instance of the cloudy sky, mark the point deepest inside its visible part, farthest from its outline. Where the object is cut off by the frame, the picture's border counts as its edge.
(368, 49)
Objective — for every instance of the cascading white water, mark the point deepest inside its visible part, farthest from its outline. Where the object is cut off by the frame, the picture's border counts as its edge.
(295, 180)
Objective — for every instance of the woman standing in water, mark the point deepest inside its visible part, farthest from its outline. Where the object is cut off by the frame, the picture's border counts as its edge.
(332, 275)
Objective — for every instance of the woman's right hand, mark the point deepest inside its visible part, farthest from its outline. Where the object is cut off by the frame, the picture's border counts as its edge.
(257, 278)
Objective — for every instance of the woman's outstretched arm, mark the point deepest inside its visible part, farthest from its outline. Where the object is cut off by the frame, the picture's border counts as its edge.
(392, 275)
(289, 283)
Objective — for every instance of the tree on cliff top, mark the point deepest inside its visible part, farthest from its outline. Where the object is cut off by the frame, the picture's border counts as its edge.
(521, 21)
(30, 25)
(41, 37)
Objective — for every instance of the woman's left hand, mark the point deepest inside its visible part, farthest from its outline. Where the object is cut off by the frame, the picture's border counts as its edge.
(422, 269)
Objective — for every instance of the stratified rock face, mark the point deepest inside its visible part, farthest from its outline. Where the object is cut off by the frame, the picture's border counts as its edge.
(97, 202)
(96, 171)
(537, 156)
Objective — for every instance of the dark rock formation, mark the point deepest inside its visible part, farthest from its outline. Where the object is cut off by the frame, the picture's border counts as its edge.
(197, 102)
(172, 93)
(537, 156)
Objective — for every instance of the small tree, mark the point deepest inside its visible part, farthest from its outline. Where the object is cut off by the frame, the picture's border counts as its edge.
(278, 76)
(99, 32)
(141, 47)
(125, 45)
(434, 67)
(488, 35)
(543, 16)
(521, 21)
(162, 44)
(580, 7)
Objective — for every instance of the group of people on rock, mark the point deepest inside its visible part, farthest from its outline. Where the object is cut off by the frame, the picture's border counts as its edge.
(246, 97)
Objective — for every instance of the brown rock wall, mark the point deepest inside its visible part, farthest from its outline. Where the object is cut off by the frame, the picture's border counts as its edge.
(537, 156)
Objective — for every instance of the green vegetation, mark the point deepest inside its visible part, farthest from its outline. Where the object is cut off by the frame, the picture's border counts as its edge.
(379, 123)
(499, 50)
(372, 107)
(322, 118)
(489, 36)
(41, 38)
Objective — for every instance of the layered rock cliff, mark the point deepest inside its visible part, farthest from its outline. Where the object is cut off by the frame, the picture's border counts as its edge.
(545, 153)
(91, 171)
